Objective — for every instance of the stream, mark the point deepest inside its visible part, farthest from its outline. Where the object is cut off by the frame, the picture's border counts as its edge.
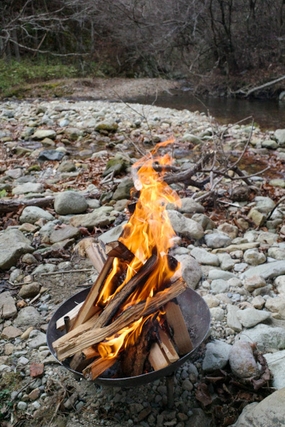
(268, 114)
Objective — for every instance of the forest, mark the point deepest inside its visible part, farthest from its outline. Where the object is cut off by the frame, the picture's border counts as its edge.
(231, 39)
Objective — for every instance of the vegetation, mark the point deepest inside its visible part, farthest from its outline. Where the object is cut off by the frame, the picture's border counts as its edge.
(174, 38)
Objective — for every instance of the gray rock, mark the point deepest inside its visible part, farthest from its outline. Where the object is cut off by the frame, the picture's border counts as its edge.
(29, 187)
(216, 355)
(264, 204)
(232, 319)
(205, 222)
(54, 155)
(266, 337)
(30, 290)
(28, 316)
(67, 166)
(276, 365)
(270, 144)
(123, 189)
(98, 218)
(276, 253)
(70, 202)
(64, 233)
(267, 271)
(268, 413)
(254, 257)
(13, 244)
(219, 286)
(217, 240)
(185, 227)
(204, 257)
(279, 282)
(113, 234)
(226, 261)
(250, 317)
(189, 205)
(257, 217)
(276, 306)
(217, 313)
(253, 282)
(228, 229)
(8, 307)
(37, 339)
(191, 270)
(242, 360)
(280, 136)
(73, 133)
(44, 133)
(220, 274)
(32, 214)
(44, 268)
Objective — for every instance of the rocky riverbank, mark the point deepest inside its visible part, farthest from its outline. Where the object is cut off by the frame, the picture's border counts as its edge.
(65, 174)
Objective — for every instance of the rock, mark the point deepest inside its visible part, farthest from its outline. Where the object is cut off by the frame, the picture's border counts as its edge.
(266, 337)
(280, 136)
(242, 360)
(30, 290)
(188, 205)
(29, 187)
(109, 127)
(276, 253)
(66, 166)
(13, 244)
(269, 412)
(185, 227)
(217, 313)
(232, 319)
(70, 202)
(217, 240)
(257, 217)
(216, 355)
(276, 306)
(32, 214)
(36, 370)
(54, 155)
(228, 229)
(254, 257)
(226, 261)
(44, 133)
(10, 332)
(8, 308)
(116, 165)
(276, 365)
(270, 144)
(211, 300)
(28, 316)
(267, 271)
(123, 189)
(220, 274)
(64, 233)
(205, 222)
(278, 182)
(258, 302)
(191, 270)
(253, 282)
(112, 235)
(98, 218)
(250, 317)
(279, 282)
(37, 339)
(73, 133)
(44, 268)
(204, 257)
(219, 286)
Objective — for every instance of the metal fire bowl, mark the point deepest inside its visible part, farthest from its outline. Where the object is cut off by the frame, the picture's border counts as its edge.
(197, 317)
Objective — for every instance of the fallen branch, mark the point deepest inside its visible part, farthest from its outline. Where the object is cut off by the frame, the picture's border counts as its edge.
(250, 91)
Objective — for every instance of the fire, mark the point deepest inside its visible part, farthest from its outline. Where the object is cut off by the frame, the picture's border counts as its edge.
(148, 232)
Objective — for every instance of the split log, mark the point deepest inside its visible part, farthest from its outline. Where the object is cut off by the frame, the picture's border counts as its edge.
(117, 301)
(97, 367)
(60, 323)
(93, 250)
(177, 323)
(88, 308)
(77, 340)
(119, 250)
(83, 358)
(157, 358)
(167, 346)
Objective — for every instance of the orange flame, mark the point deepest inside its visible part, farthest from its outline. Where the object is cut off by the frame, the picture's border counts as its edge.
(149, 230)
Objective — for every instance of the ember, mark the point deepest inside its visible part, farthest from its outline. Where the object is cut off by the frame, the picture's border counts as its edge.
(130, 313)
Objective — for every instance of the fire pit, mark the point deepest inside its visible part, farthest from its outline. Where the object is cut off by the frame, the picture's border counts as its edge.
(197, 319)
(139, 321)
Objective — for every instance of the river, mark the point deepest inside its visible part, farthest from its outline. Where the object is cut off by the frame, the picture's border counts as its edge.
(268, 114)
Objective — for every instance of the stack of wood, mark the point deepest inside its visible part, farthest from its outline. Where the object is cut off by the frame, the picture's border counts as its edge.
(163, 336)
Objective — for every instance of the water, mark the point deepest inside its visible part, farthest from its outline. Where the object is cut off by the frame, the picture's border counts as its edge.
(268, 114)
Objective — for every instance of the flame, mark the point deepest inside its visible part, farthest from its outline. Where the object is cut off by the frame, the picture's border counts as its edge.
(148, 231)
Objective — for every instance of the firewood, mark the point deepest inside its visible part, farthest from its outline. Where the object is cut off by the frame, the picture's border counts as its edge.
(119, 250)
(83, 358)
(60, 324)
(177, 323)
(77, 340)
(97, 367)
(157, 358)
(88, 308)
(119, 298)
(94, 251)
(167, 346)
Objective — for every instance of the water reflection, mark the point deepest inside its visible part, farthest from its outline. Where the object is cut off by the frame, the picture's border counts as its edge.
(268, 114)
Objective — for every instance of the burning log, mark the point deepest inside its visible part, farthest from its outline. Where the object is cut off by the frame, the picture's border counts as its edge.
(97, 367)
(77, 340)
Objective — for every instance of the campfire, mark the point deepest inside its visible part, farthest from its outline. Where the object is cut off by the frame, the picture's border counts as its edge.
(130, 322)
